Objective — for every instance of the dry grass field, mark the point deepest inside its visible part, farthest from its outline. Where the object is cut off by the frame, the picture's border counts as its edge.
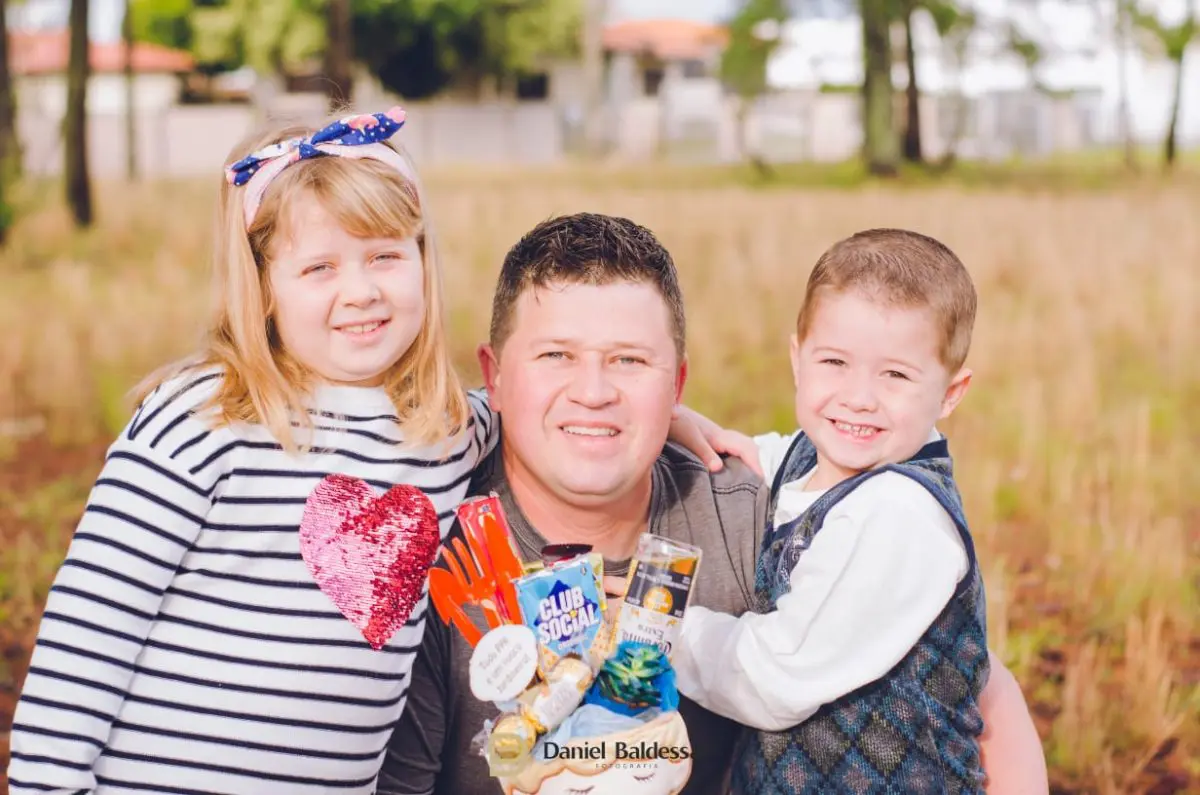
(1075, 450)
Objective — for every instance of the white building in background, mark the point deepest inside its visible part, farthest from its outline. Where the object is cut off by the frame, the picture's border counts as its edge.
(1079, 76)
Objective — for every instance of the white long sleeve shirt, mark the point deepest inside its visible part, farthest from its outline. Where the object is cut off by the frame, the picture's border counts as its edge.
(880, 571)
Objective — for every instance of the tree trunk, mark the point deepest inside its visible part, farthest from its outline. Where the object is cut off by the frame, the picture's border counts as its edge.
(10, 160)
(747, 153)
(881, 148)
(1124, 123)
(912, 129)
(338, 55)
(1169, 145)
(741, 121)
(592, 45)
(131, 169)
(79, 193)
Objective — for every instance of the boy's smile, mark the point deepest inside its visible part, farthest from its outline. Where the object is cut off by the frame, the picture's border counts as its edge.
(869, 384)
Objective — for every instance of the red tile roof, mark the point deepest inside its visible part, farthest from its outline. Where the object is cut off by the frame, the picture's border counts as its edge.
(46, 53)
(665, 38)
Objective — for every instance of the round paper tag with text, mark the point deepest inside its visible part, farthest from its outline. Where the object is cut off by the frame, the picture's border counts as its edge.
(503, 663)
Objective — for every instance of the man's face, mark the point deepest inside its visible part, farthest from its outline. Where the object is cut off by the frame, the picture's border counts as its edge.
(586, 383)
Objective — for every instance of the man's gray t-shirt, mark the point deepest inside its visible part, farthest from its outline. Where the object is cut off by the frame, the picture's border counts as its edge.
(723, 513)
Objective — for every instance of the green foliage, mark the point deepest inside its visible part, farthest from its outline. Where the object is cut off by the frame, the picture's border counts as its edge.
(754, 33)
(417, 47)
(268, 35)
(165, 22)
(420, 47)
(950, 20)
(1171, 40)
(1024, 47)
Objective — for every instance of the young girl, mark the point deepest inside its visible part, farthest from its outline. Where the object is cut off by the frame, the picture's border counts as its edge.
(187, 644)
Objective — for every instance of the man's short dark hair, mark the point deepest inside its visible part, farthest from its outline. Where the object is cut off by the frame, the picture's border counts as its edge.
(586, 248)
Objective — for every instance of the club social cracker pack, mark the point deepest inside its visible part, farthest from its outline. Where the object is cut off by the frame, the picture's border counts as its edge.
(564, 606)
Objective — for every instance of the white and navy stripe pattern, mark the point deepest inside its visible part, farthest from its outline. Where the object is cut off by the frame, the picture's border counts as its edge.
(184, 647)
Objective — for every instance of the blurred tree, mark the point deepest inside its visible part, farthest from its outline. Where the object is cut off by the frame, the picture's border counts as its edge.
(912, 91)
(1027, 48)
(946, 15)
(416, 47)
(339, 54)
(268, 35)
(954, 26)
(1124, 20)
(165, 22)
(420, 47)
(79, 192)
(9, 159)
(130, 104)
(591, 46)
(881, 145)
(9, 156)
(754, 33)
(1172, 41)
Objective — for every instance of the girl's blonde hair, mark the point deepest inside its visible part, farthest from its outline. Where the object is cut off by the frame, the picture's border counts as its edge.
(261, 382)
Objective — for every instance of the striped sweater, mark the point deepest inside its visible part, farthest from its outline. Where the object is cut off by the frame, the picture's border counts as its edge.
(185, 647)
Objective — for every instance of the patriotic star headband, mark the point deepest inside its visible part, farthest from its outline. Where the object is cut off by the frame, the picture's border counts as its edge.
(353, 136)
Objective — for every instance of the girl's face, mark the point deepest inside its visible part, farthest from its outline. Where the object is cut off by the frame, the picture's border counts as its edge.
(347, 308)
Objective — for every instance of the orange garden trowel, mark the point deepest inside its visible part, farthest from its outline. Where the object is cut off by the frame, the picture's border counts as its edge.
(480, 572)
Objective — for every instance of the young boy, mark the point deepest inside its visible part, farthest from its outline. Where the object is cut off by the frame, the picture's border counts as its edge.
(863, 672)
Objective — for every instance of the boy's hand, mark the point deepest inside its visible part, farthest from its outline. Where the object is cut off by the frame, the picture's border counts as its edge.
(708, 440)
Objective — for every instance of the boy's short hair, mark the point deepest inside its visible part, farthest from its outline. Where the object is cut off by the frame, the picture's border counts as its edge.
(586, 248)
(902, 268)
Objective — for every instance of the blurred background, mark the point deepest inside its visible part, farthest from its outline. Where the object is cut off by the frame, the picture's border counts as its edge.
(1053, 144)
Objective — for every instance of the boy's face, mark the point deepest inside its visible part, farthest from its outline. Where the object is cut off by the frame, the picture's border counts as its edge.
(869, 384)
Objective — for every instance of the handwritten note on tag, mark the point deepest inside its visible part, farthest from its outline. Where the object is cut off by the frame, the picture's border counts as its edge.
(503, 663)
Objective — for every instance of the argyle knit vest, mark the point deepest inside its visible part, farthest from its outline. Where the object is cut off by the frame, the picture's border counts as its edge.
(916, 729)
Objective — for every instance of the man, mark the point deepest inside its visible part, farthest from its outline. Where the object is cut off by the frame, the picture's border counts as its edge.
(585, 364)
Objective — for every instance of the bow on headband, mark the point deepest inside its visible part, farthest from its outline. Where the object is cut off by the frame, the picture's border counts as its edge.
(353, 136)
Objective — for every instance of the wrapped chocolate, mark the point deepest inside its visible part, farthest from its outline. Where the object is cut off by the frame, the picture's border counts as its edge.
(541, 709)
(511, 741)
(557, 697)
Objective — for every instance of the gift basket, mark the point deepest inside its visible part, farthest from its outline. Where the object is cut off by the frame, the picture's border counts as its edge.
(585, 688)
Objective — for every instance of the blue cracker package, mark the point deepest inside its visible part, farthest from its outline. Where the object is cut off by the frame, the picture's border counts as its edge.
(564, 608)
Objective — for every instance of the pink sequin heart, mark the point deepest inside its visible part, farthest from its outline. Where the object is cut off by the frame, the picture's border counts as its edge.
(369, 554)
